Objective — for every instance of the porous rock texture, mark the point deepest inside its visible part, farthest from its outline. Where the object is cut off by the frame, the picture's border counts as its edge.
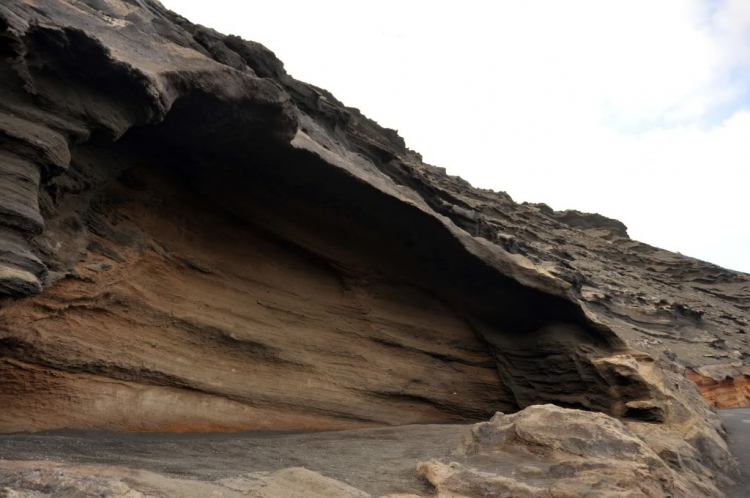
(193, 240)
(568, 453)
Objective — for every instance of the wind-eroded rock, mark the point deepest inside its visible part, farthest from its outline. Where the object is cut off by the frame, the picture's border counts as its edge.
(561, 453)
(724, 386)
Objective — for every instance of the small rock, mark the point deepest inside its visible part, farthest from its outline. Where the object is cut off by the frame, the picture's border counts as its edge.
(530, 472)
(718, 344)
(98, 267)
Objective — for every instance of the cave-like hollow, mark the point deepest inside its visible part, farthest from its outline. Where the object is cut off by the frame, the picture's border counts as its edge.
(266, 288)
(210, 273)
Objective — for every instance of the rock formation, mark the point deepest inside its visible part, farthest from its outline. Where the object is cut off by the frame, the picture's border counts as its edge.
(193, 240)
(579, 452)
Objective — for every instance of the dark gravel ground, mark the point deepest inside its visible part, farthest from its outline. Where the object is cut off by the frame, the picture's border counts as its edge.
(361, 458)
(738, 426)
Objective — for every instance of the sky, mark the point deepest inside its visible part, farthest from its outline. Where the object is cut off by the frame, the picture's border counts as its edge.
(638, 109)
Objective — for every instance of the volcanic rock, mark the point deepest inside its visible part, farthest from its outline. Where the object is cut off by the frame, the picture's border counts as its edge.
(723, 385)
(572, 453)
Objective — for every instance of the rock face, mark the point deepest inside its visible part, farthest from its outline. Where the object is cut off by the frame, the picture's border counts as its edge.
(192, 240)
(561, 453)
(724, 386)
(581, 453)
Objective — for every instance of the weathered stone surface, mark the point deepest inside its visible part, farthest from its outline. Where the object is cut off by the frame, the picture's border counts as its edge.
(564, 453)
(455, 481)
(291, 483)
(44, 479)
(724, 386)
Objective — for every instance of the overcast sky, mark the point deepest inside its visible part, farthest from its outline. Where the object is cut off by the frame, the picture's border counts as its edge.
(638, 110)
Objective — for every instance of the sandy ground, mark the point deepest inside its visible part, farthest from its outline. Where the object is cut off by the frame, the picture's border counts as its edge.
(738, 426)
(378, 461)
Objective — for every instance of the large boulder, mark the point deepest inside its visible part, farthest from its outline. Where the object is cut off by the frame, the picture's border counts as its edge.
(550, 452)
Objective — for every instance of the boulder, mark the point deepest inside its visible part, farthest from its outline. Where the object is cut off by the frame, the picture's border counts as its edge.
(550, 452)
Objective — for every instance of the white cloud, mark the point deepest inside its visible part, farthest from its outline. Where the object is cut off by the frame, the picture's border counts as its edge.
(639, 110)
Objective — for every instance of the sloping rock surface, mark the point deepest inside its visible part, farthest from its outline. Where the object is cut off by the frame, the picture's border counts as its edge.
(723, 385)
(26, 480)
(573, 453)
(193, 240)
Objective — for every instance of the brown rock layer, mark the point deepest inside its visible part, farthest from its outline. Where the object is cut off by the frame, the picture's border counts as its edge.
(204, 323)
(729, 392)
(560, 453)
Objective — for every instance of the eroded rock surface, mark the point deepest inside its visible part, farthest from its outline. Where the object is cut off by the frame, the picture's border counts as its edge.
(193, 240)
(572, 453)
(39, 480)
(723, 385)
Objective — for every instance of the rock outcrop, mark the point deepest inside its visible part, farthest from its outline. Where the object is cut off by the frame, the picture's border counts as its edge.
(723, 385)
(569, 453)
(193, 240)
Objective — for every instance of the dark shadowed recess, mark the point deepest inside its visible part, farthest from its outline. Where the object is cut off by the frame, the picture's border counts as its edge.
(543, 344)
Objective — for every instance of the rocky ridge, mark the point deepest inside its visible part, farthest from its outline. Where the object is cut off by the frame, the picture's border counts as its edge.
(193, 240)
